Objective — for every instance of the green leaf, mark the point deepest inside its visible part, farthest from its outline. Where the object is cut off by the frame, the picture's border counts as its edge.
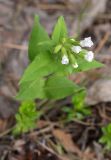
(31, 89)
(39, 40)
(60, 31)
(42, 65)
(84, 65)
(58, 87)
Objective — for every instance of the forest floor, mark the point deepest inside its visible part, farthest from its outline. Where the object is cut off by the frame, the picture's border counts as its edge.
(53, 139)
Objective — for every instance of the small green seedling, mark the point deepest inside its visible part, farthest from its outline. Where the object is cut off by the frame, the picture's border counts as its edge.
(106, 137)
(52, 60)
(79, 109)
(26, 118)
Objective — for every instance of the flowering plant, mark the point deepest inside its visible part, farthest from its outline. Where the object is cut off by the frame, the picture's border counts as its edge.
(52, 60)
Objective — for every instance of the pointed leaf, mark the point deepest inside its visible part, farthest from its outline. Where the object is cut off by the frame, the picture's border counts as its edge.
(58, 87)
(84, 65)
(60, 31)
(31, 90)
(39, 40)
(42, 65)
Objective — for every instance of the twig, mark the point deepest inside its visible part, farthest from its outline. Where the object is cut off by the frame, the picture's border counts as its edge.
(103, 114)
(104, 16)
(42, 103)
(53, 152)
(6, 132)
(86, 123)
(46, 6)
(51, 6)
(42, 131)
(102, 42)
(14, 46)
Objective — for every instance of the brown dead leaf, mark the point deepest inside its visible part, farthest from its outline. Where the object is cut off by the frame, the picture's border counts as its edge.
(19, 144)
(88, 154)
(42, 124)
(66, 140)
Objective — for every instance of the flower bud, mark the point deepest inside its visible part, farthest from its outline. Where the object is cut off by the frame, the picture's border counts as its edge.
(57, 48)
(65, 59)
(75, 65)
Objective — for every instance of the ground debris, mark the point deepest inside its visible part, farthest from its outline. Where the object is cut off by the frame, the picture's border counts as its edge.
(100, 91)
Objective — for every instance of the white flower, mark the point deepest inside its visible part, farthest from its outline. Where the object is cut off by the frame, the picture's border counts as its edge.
(65, 60)
(75, 65)
(89, 56)
(87, 42)
(76, 49)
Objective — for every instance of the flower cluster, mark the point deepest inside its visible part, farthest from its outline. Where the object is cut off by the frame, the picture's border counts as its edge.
(75, 50)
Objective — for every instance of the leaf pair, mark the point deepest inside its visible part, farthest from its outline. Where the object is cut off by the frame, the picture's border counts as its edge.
(55, 87)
